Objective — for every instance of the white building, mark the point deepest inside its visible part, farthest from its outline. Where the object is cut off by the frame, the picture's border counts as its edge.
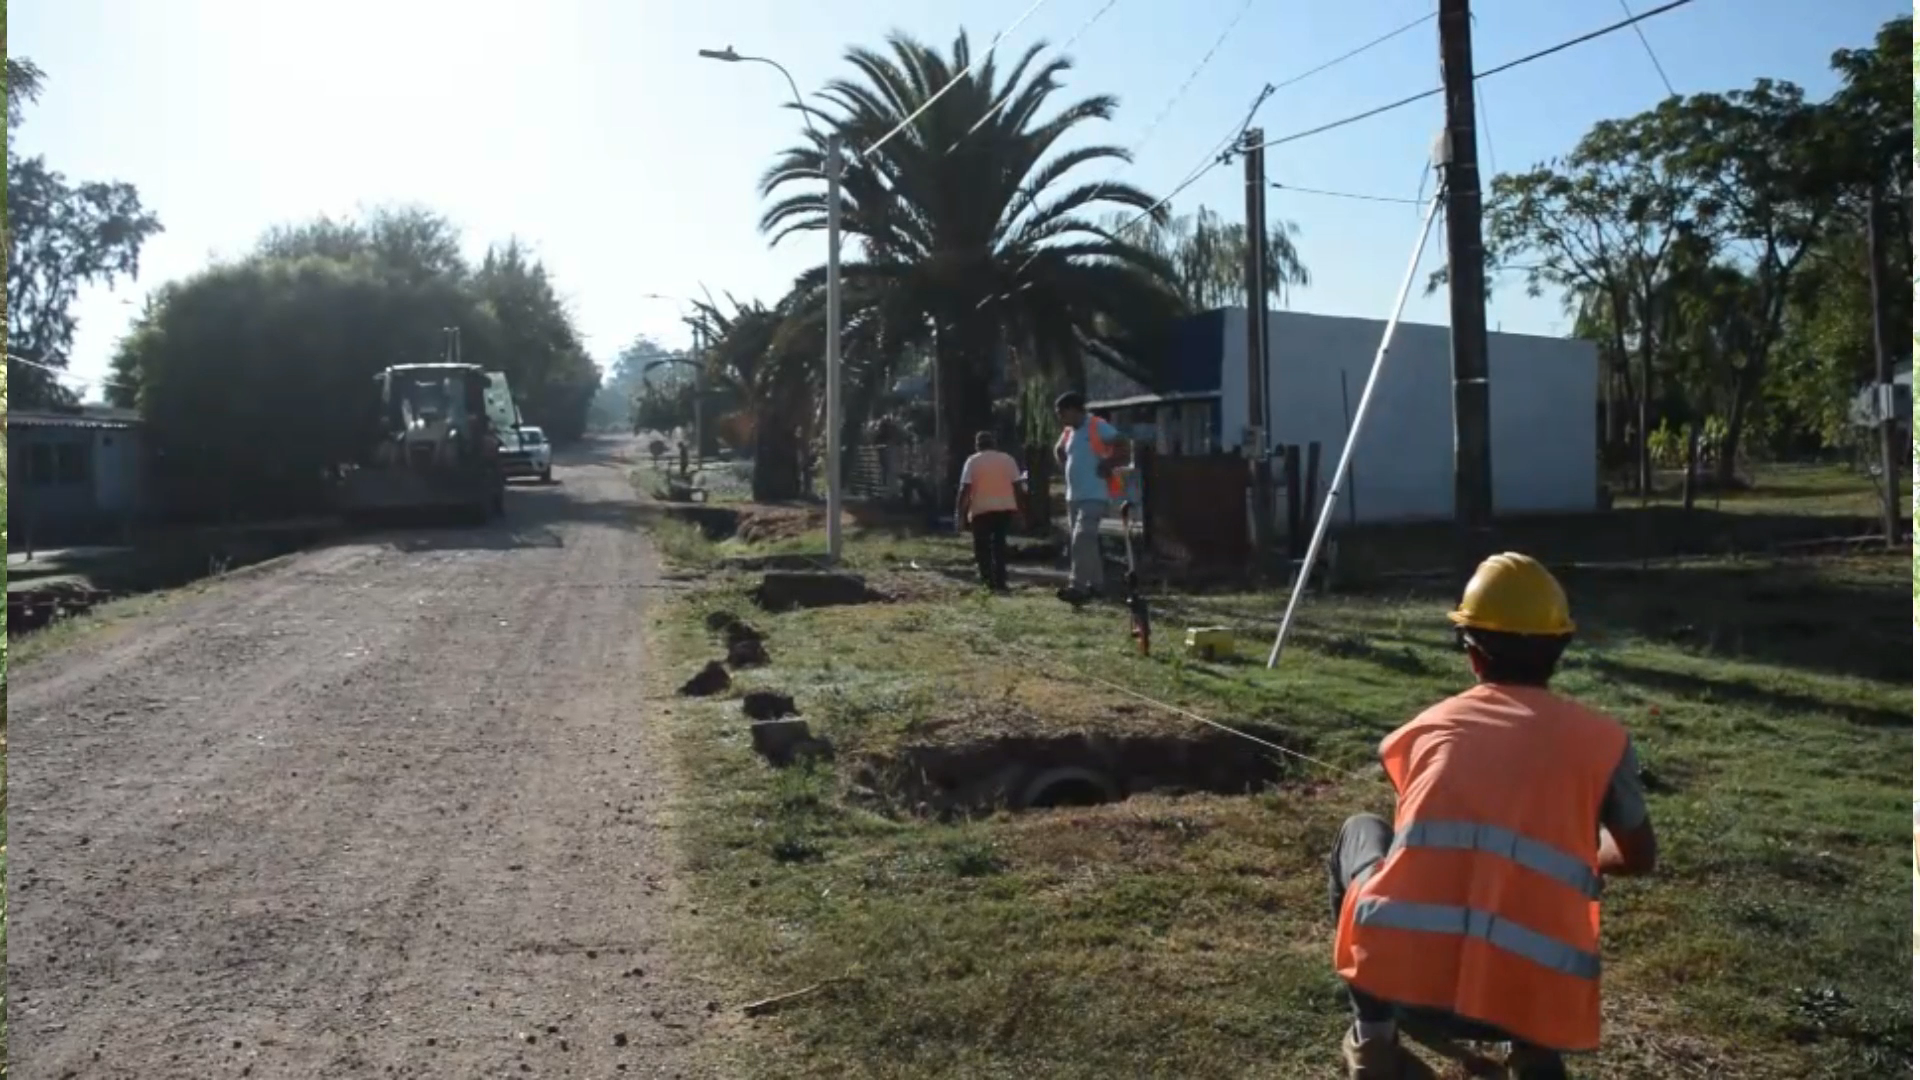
(1544, 399)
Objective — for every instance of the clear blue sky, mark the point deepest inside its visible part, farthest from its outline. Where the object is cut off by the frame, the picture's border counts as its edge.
(592, 130)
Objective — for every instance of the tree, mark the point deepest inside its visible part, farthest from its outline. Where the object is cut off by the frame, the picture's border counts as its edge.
(756, 357)
(1209, 256)
(255, 375)
(1756, 158)
(652, 387)
(1602, 227)
(539, 349)
(969, 235)
(59, 237)
(646, 376)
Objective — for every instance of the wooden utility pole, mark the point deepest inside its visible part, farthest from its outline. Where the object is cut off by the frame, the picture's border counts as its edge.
(1467, 288)
(1258, 438)
(1883, 375)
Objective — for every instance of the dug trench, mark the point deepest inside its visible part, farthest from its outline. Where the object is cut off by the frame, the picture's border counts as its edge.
(973, 779)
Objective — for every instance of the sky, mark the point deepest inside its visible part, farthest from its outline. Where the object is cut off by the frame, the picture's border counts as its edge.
(592, 129)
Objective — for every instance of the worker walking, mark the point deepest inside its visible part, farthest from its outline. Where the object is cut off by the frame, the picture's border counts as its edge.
(1088, 449)
(986, 504)
(1475, 914)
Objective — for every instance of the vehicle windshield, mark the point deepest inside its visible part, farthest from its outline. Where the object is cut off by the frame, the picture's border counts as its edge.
(427, 397)
(532, 436)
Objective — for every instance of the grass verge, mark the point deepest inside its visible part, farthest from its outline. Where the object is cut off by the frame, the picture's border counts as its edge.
(1190, 936)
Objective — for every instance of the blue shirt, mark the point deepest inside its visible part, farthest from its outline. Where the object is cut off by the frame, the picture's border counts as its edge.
(1084, 483)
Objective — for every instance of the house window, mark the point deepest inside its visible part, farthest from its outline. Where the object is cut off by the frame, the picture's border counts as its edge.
(39, 465)
(72, 464)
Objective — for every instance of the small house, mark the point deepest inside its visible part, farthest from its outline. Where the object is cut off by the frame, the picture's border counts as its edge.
(75, 476)
(1543, 402)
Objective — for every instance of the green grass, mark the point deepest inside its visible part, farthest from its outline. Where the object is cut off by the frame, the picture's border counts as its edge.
(1191, 937)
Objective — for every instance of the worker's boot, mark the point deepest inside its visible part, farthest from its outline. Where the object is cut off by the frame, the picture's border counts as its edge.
(1533, 1063)
(1381, 1059)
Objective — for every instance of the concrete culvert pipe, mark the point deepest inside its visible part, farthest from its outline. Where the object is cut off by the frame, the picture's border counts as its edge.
(1068, 785)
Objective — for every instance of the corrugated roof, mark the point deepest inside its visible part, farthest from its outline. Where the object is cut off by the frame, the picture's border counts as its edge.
(98, 419)
(1155, 399)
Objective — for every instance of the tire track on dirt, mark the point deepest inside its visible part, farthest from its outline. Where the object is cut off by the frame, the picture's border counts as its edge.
(379, 810)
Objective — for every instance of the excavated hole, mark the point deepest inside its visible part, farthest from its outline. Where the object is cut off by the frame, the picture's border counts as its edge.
(715, 523)
(1044, 772)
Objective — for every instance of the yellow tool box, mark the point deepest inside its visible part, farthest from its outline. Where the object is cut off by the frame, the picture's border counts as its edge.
(1209, 642)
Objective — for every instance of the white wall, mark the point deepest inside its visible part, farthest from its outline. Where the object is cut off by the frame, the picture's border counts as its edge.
(1543, 393)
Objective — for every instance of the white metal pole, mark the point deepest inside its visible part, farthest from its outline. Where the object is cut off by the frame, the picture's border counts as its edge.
(1353, 435)
(699, 396)
(833, 347)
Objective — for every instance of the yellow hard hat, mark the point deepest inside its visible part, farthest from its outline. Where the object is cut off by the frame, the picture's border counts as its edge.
(1513, 594)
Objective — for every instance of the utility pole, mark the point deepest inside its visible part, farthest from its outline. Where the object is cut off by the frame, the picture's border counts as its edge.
(1256, 439)
(1467, 288)
(1883, 377)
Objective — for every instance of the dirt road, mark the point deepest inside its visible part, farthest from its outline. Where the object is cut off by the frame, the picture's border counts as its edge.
(386, 808)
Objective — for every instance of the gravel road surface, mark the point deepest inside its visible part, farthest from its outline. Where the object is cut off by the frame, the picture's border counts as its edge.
(386, 808)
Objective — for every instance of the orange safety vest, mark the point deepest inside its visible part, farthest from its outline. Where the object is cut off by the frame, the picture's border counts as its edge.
(1116, 487)
(1488, 905)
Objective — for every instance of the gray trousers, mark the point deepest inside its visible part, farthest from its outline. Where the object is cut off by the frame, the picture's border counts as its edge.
(1083, 550)
(1363, 844)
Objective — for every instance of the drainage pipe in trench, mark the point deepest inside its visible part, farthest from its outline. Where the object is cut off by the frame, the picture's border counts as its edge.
(1068, 785)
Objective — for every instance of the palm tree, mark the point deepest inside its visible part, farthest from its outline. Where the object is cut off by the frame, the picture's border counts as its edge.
(757, 357)
(968, 234)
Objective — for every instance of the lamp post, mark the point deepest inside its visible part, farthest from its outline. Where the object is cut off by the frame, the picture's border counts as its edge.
(832, 169)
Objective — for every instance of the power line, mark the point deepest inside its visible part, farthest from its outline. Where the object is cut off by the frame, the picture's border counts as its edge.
(1217, 156)
(1008, 96)
(1648, 45)
(75, 376)
(1508, 66)
(1351, 53)
(1350, 195)
(1167, 109)
(951, 83)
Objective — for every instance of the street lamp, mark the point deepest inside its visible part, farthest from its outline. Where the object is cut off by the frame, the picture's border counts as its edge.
(832, 168)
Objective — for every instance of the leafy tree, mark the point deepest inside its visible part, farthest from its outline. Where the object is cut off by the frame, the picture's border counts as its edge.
(1602, 227)
(1756, 159)
(651, 386)
(255, 375)
(759, 357)
(969, 234)
(59, 237)
(539, 349)
(1209, 256)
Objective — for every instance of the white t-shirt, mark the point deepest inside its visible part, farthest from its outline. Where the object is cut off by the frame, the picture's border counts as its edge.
(993, 475)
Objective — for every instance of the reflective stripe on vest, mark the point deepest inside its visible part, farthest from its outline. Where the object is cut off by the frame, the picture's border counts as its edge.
(1541, 858)
(1466, 922)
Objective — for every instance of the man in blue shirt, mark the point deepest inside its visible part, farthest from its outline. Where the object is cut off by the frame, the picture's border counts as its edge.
(1085, 444)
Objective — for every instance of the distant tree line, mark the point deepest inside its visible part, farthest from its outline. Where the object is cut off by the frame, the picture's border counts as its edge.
(256, 373)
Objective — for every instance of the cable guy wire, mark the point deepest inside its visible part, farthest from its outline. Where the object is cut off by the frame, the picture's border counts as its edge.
(951, 83)
(1008, 96)
(1648, 45)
